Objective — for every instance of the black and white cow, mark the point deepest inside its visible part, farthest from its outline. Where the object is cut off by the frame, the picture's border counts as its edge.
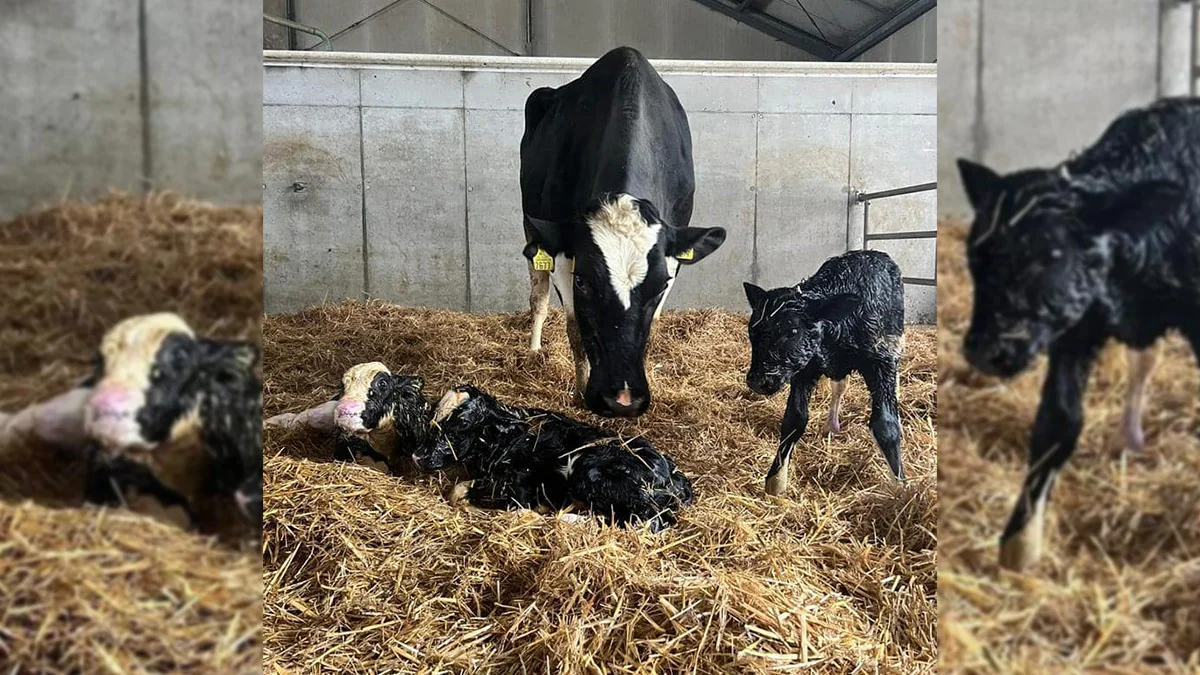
(1105, 245)
(176, 418)
(848, 317)
(607, 187)
(530, 458)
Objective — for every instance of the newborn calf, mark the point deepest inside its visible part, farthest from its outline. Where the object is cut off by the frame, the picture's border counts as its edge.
(847, 317)
(528, 458)
(176, 418)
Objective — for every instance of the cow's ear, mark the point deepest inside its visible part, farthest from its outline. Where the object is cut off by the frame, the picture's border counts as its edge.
(243, 355)
(754, 294)
(546, 235)
(833, 308)
(979, 181)
(690, 245)
(1135, 211)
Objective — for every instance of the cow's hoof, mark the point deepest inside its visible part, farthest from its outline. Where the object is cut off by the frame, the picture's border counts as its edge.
(574, 518)
(777, 484)
(1022, 550)
(149, 506)
(381, 467)
(458, 492)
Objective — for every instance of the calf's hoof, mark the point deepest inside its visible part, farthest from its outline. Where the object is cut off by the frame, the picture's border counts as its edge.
(458, 492)
(777, 484)
(1022, 550)
(282, 421)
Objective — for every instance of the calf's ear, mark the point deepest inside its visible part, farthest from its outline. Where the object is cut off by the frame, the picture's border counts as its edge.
(546, 235)
(754, 294)
(1136, 211)
(979, 182)
(833, 308)
(690, 245)
(244, 355)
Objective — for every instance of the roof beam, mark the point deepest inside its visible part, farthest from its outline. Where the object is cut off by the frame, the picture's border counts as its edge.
(884, 29)
(780, 30)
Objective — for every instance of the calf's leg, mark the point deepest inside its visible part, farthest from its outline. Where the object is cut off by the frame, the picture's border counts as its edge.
(795, 421)
(57, 422)
(539, 305)
(1141, 363)
(1055, 433)
(885, 410)
(319, 418)
(832, 425)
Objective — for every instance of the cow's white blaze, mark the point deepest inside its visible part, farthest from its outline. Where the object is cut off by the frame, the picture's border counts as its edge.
(624, 239)
(356, 388)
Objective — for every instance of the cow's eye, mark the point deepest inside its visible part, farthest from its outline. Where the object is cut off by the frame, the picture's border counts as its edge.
(156, 373)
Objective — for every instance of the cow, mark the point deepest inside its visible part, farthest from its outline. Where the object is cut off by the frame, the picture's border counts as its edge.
(1106, 245)
(174, 418)
(607, 187)
(848, 317)
(532, 458)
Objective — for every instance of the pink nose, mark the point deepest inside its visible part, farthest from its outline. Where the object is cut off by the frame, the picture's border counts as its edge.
(348, 409)
(623, 398)
(111, 402)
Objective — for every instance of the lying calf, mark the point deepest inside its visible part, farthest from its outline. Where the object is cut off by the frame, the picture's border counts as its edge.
(1106, 245)
(176, 418)
(378, 418)
(847, 317)
(528, 458)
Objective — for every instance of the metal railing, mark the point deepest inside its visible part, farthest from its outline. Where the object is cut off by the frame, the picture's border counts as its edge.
(325, 43)
(865, 198)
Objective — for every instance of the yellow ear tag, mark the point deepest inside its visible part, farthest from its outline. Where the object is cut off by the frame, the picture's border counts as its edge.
(687, 255)
(542, 261)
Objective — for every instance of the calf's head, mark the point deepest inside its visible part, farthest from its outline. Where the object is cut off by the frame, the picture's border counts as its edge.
(460, 411)
(787, 328)
(1040, 251)
(625, 259)
(372, 397)
(146, 386)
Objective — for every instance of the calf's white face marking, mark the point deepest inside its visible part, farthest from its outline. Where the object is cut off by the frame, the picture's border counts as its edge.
(129, 350)
(625, 240)
(356, 388)
(449, 404)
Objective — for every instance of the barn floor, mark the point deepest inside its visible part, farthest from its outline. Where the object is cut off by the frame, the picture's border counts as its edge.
(1119, 588)
(89, 590)
(370, 573)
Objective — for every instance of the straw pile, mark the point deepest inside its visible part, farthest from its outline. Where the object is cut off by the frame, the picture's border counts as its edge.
(1119, 587)
(91, 590)
(370, 573)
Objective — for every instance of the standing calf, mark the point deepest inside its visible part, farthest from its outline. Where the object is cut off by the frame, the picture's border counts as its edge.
(847, 317)
(176, 418)
(1106, 245)
(529, 458)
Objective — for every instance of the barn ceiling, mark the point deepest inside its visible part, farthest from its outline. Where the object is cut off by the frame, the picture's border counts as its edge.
(834, 30)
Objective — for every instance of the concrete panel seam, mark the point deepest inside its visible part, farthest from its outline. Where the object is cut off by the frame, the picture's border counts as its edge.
(466, 196)
(144, 106)
(849, 177)
(978, 132)
(362, 178)
(754, 237)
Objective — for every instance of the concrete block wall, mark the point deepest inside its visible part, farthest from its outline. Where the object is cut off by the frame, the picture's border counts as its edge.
(85, 109)
(1022, 91)
(397, 176)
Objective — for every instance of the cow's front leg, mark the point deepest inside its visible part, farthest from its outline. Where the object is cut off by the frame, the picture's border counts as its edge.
(583, 369)
(1141, 363)
(539, 305)
(881, 380)
(1055, 433)
(832, 424)
(795, 421)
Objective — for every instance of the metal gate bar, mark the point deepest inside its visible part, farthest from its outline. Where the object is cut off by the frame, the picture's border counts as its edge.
(865, 198)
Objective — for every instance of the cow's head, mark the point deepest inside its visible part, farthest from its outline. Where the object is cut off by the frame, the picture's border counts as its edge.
(149, 378)
(786, 330)
(625, 259)
(1040, 251)
(372, 397)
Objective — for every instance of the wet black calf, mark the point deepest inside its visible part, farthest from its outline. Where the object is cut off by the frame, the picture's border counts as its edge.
(174, 417)
(528, 458)
(848, 317)
(1105, 245)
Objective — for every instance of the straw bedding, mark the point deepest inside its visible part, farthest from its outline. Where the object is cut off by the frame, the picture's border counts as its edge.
(90, 590)
(1119, 587)
(371, 573)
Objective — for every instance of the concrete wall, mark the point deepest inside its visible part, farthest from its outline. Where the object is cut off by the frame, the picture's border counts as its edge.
(1031, 81)
(397, 177)
(73, 82)
(662, 29)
